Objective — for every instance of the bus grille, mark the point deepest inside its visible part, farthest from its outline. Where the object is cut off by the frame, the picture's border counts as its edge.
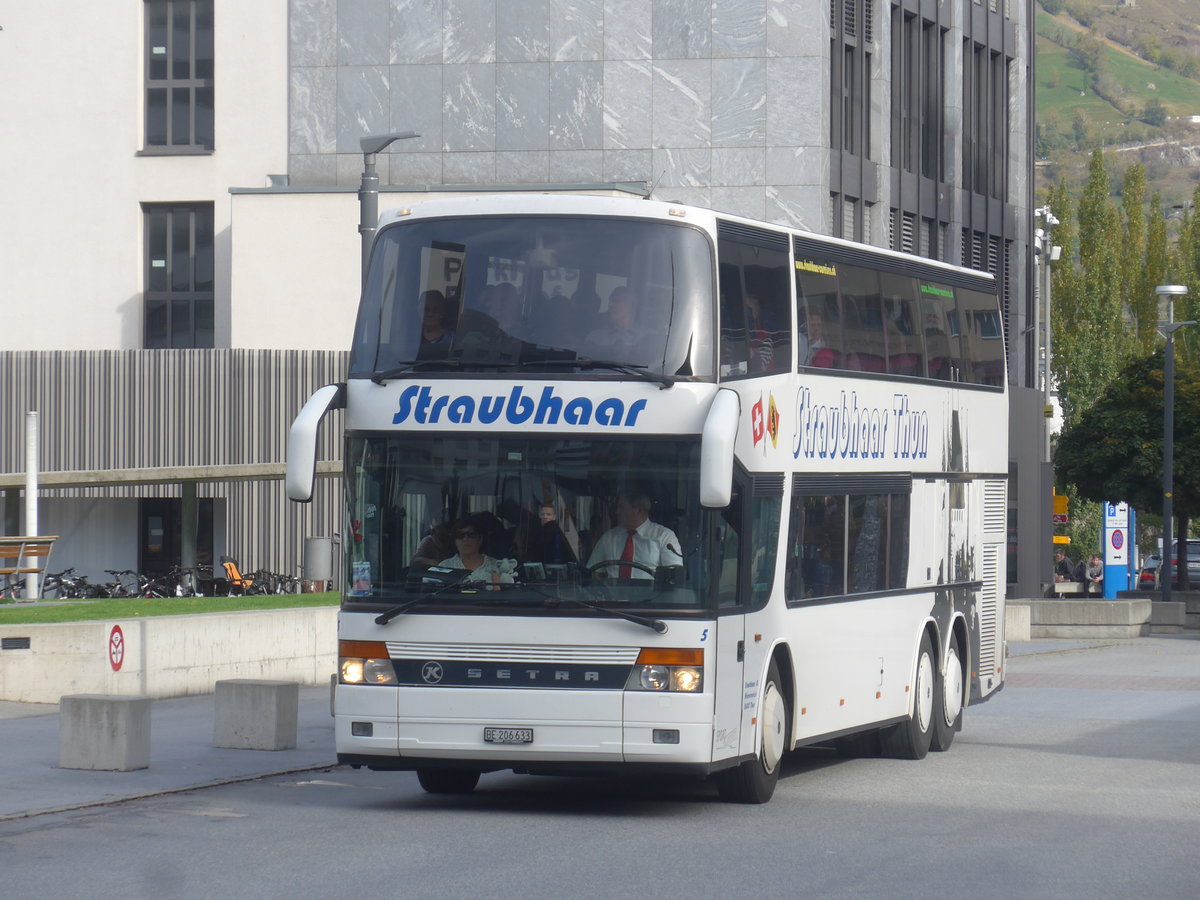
(514, 653)
(988, 604)
(994, 517)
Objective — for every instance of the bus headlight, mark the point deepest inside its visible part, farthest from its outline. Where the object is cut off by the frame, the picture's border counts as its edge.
(364, 662)
(660, 669)
(654, 678)
(686, 679)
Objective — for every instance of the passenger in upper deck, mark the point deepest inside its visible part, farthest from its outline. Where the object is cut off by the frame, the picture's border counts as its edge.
(436, 328)
(616, 338)
(813, 351)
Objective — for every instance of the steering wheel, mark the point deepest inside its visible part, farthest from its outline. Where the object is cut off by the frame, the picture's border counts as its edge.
(604, 563)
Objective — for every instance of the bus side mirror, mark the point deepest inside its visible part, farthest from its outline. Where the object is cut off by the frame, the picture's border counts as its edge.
(302, 440)
(716, 449)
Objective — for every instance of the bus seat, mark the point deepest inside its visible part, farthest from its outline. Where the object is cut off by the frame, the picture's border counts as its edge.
(905, 364)
(826, 358)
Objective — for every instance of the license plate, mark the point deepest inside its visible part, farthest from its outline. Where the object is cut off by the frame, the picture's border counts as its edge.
(508, 735)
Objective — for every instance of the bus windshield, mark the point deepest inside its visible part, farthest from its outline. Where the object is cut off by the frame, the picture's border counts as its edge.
(556, 293)
(504, 524)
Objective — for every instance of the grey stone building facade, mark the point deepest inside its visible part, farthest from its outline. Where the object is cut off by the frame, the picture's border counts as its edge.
(902, 123)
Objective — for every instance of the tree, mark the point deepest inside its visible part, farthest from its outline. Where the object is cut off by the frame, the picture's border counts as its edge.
(1091, 340)
(1158, 261)
(1114, 452)
(1155, 114)
(1133, 250)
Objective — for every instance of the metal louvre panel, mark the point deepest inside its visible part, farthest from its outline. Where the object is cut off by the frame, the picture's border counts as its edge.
(104, 410)
(994, 508)
(851, 484)
(988, 607)
(755, 237)
(767, 485)
(515, 653)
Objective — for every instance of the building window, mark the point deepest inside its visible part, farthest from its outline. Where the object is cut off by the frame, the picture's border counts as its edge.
(179, 76)
(850, 78)
(918, 95)
(178, 276)
(985, 86)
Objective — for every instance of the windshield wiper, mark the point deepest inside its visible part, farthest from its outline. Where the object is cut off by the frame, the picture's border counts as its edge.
(403, 368)
(385, 617)
(657, 625)
(636, 370)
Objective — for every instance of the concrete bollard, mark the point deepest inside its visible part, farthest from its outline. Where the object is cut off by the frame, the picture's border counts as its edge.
(104, 732)
(256, 715)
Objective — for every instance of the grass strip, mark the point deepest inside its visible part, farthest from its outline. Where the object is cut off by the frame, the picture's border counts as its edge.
(53, 611)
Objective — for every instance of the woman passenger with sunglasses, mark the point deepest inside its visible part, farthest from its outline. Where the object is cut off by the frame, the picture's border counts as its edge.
(468, 541)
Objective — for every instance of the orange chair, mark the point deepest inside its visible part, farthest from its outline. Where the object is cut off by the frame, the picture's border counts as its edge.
(234, 576)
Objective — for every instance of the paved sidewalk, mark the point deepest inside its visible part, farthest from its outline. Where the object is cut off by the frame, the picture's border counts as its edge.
(181, 755)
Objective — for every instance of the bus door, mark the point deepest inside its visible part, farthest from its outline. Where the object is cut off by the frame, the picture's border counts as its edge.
(747, 544)
(729, 644)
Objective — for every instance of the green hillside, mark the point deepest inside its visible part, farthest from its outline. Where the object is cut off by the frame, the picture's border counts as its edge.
(1092, 92)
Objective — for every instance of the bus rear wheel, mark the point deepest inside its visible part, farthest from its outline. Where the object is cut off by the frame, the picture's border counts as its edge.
(448, 781)
(948, 700)
(910, 739)
(754, 780)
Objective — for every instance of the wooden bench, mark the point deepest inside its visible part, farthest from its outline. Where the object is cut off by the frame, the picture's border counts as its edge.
(24, 556)
(1062, 589)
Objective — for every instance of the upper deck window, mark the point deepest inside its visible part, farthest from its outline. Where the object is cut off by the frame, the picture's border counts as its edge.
(488, 293)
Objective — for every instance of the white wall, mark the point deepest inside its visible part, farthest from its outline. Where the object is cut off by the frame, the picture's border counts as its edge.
(170, 656)
(295, 269)
(72, 117)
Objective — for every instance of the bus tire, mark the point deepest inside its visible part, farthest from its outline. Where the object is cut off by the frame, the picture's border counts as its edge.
(448, 781)
(754, 780)
(948, 700)
(910, 739)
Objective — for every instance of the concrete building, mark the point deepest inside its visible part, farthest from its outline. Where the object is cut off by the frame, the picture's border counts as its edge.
(179, 262)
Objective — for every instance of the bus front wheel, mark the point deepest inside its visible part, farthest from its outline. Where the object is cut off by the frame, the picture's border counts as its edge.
(448, 781)
(754, 780)
(910, 739)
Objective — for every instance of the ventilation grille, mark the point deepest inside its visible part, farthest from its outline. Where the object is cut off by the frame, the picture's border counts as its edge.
(14, 643)
(989, 601)
(994, 508)
(514, 653)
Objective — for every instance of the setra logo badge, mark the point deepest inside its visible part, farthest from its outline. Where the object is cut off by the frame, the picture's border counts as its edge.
(432, 672)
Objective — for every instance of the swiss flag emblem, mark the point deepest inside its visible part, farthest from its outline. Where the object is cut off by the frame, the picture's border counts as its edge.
(758, 424)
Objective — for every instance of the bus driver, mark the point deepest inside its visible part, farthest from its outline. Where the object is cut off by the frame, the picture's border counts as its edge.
(635, 539)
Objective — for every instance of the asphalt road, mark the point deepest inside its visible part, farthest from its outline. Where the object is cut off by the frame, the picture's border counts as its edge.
(1081, 779)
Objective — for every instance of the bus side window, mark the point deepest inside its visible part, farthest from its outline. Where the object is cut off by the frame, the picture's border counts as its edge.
(818, 314)
(983, 338)
(816, 542)
(729, 541)
(756, 321)
(905, 353)
(939, 316)
(863, 328)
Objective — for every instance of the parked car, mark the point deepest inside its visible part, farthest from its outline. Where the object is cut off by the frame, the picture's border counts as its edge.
(1148, 574)
(1193, 564)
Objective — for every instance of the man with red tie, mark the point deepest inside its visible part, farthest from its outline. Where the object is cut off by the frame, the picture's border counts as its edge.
(636, 539)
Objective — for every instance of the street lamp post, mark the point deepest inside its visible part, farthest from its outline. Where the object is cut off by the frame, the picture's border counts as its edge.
(368, 192)
(1168, 329)
(1049, 254)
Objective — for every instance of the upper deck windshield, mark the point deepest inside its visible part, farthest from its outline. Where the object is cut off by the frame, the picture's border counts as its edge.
(496, 292)
(521, 524)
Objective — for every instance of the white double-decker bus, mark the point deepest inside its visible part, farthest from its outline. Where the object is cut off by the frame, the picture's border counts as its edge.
(632, 485)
